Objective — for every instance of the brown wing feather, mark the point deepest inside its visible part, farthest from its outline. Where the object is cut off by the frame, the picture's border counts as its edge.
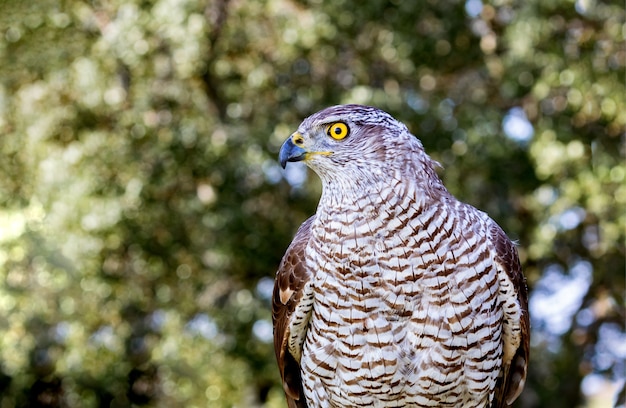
(291, 277)
(512, 381)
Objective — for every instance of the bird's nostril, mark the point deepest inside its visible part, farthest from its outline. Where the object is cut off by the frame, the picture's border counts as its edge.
(297, 140)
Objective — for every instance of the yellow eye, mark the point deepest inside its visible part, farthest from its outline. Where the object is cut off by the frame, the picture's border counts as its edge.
(338, 130)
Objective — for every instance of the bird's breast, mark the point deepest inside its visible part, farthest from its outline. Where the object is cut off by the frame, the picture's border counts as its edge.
(394, 315)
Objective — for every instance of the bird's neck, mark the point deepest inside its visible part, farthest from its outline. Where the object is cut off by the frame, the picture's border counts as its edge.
(374, 187)
(366, 196)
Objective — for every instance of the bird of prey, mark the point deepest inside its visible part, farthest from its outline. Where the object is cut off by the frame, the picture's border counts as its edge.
(394, 294)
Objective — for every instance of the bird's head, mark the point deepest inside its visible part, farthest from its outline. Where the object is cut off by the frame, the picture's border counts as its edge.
(355, 149)
(346, 138)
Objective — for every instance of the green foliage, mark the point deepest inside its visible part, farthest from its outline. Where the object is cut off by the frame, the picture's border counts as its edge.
(143, 213)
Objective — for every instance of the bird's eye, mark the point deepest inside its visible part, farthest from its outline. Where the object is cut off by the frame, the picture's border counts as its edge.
(338, 130)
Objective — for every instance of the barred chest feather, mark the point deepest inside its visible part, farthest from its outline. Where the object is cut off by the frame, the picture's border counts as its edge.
(406, 311)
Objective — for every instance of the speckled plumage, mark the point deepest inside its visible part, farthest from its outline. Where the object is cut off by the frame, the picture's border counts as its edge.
(394, 294)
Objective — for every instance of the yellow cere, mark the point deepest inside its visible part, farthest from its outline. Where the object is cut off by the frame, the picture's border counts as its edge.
(338, 130)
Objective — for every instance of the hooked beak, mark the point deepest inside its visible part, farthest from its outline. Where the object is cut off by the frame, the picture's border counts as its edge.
(290, 152)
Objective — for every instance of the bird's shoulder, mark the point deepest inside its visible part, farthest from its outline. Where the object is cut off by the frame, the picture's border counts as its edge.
(292, 272)
(291, 279)
(516, 330)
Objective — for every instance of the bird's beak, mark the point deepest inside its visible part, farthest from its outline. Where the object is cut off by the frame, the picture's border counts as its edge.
(290, 151)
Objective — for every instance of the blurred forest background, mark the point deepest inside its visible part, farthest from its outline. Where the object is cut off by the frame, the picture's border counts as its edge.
(143, 212)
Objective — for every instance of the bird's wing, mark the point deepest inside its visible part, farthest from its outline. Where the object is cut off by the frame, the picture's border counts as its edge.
(292, 303)
(516, 328)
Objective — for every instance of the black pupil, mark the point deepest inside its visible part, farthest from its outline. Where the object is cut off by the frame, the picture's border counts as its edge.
(337, 130)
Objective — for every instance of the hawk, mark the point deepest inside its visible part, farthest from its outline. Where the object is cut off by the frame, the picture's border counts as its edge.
(394, 294)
